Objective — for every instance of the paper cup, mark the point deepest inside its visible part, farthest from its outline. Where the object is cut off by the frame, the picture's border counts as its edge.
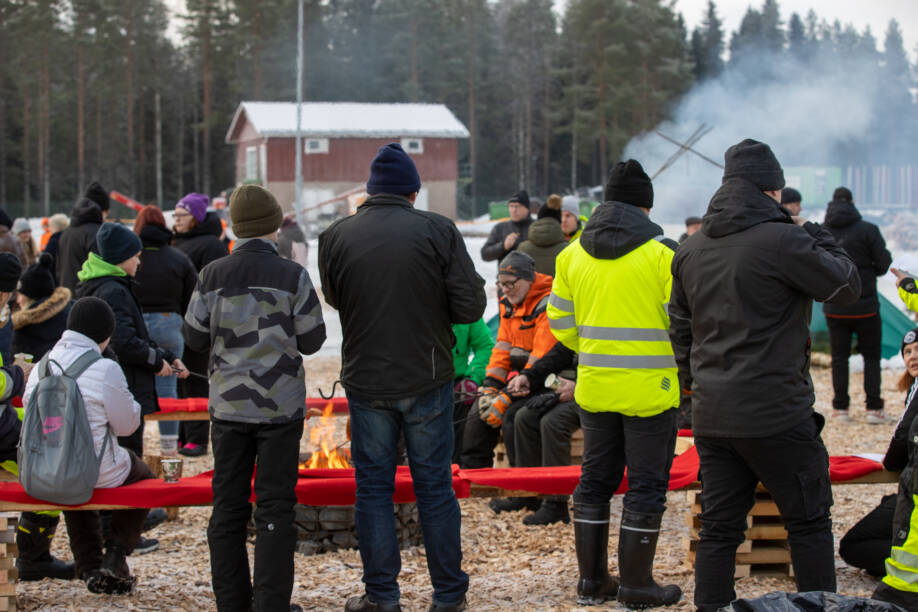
(172, 469)
(24, 356)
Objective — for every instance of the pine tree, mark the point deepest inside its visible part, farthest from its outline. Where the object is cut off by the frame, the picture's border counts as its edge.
(707, 45)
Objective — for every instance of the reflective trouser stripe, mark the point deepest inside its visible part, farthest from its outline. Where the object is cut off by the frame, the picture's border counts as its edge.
(500, 373)
(502, 345)
(645, 362)
(625, 334)
(560, 303)
(562, 323)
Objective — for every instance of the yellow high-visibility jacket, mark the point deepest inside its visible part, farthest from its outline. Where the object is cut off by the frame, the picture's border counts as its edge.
(609, 304)
(909, 294)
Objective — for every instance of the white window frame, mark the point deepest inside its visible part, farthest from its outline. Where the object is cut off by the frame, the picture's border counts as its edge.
(407, 145)
(251, 163)
(320, 149)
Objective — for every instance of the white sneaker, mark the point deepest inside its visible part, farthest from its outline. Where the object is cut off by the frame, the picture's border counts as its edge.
(876, 417)
(840, 416)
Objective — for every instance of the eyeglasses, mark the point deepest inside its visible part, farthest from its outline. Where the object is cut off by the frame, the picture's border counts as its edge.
(178, 215)
(507, 286)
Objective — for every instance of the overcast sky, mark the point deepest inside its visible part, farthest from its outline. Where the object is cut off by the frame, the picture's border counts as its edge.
(860, 13)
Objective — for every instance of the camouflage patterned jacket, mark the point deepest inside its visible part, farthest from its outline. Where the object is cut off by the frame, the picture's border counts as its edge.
(257, 312)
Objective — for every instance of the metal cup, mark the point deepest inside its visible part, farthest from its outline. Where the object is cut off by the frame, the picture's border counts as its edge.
(172, 469)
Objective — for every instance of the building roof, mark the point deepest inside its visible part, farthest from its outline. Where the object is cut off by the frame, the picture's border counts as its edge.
(348, 120)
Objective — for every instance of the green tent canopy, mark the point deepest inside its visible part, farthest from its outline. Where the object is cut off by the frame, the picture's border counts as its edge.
(895, 324)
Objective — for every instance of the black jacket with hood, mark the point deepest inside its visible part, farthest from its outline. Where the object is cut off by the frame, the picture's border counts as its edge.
(166, 277)
(740, 310)
(865, 245)
(202, 244)
(77, 241)
(400, 278)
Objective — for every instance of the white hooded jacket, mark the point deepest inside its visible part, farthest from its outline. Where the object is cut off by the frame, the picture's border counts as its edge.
(110, 407)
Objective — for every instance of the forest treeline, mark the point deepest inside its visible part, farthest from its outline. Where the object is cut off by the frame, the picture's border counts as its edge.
(139, 98)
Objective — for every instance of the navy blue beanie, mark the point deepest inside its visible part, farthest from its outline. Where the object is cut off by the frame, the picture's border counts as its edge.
(393, 171)
(117, 243)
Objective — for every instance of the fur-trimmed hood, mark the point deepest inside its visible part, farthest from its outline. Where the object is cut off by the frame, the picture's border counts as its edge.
(41, 311)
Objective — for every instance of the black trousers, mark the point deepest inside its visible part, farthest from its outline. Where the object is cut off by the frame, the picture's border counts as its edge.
(194, 432)
(794, 467)
(479, 438)
(869, 333)
(85, 527)
(612, 441)
(868, 542)
(238, 448)
(544, 439)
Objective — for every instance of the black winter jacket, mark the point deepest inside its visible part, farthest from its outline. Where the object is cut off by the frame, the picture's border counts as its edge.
(558, 359)
(166, 277)
(38, 328)
(77, 241)
(897, 454)
(493, 249)
(740, 310)
(865, 245)
(202, 244)
(138, 355)
(400, 278)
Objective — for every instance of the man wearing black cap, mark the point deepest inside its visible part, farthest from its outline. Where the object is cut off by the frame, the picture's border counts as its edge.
(400, 278)
(507, 235)
(791, 201)
(608, 303)
(865, 245)
(79, 239)
(740, 310)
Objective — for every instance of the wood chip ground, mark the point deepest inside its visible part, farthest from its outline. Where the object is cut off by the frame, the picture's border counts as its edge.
(512, 566)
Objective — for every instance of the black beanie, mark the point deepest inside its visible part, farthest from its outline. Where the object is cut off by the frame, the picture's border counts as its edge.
(629, 183)
(117, 243)
(98, 194)
(521, 197)
(842, 194)
(789, 195)
(551, 208)
(755, 162)
(393, 171)
(518, 264)
(10, 271)
(5, 219)
(93, 318)
(37, 281)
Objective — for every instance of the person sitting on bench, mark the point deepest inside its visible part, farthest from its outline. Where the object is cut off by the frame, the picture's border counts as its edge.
(111, 411)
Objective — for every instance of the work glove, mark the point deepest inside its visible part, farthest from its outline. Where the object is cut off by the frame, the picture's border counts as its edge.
(542, 403)
(491, 408)
(465, 391)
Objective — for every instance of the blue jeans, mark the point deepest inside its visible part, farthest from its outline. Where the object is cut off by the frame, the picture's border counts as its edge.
(427, 423)
(166, 331)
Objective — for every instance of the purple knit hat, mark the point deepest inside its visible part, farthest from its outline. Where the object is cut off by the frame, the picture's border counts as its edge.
(196, 205)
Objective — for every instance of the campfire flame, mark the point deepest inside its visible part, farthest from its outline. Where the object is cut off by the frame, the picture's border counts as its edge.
(323, 437)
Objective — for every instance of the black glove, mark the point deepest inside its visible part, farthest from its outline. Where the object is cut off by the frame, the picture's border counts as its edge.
(909, 285)
(543, 402)
(492, 382)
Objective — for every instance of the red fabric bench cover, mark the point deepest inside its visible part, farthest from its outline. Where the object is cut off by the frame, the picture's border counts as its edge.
(199, 404)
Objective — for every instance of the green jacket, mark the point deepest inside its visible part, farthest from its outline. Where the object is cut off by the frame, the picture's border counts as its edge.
(472, 338)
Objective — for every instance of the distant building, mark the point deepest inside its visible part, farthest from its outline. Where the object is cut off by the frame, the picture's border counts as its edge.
(339, 140)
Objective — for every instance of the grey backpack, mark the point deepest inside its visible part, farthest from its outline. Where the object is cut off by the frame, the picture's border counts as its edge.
(56, 454)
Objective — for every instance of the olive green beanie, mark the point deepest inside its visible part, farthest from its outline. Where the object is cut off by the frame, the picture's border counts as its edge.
(254, 211)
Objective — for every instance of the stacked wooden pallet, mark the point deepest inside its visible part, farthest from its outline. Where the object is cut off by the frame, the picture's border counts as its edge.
(8, 551)
(764, 552)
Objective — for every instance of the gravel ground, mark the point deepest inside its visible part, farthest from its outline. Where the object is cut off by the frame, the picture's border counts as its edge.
(511, 565)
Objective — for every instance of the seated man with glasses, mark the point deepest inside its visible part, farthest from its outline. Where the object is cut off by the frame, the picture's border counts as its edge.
(523, 337)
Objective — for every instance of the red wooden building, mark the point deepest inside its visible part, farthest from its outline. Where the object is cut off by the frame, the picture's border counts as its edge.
(339, 141)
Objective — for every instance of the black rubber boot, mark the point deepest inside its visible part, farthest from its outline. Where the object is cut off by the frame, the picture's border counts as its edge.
(551, 511)
(591, 540)
(512, 504)
(33, 539)
(637, 546)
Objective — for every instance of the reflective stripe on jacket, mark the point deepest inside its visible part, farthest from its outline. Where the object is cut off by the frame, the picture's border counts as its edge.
(902, 564)
(613, 313)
